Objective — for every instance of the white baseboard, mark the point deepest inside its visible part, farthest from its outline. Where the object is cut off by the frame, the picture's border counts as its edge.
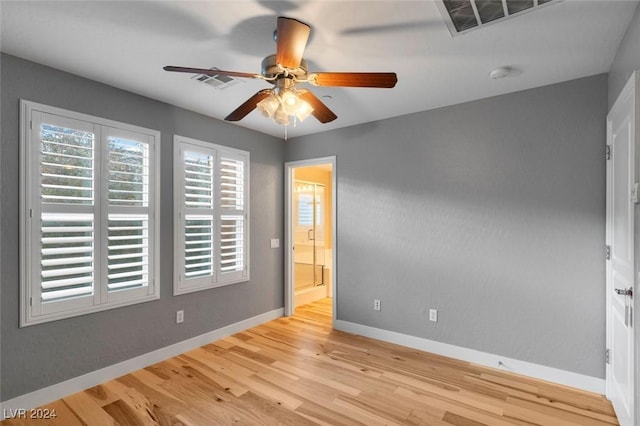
(568, 378)
(77, 384)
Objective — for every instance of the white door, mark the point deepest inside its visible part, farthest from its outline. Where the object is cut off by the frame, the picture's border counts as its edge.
(620, 241)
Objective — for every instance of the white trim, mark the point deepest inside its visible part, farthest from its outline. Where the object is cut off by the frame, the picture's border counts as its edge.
(77, 384)
(288, 246)
(550, 374)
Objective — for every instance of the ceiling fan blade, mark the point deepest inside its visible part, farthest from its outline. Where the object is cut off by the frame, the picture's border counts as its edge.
(320, 110)
(211, 72)
(249, 105)
(354, 79)
(292, 39)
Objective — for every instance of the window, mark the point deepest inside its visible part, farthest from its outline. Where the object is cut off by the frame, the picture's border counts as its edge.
(211, 215)
(89, 231)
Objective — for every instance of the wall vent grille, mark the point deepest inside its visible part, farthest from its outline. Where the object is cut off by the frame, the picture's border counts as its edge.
(462, 16)
(218, 82)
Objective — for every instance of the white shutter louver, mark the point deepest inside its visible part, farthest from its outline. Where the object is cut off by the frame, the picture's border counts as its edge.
(232, 233)
(128, 225)
(66, 239)
(231, 184)
(198, 223)
(128, 251)
(198, 180)
(231, 243)
(198, 246)
(67, 256)
(128, 173)
(66, 165)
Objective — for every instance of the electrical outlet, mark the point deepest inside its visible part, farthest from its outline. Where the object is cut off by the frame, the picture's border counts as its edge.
(275, 243)
(433, 315)
(376, 304)
(179, 316)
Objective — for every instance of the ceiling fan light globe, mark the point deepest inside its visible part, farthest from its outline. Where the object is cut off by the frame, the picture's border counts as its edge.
(304, 110)
(281, 117)
(268, 106)
(290, 101)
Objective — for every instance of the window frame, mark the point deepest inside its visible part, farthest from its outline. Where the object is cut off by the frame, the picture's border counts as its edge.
(31, 209)
(216, 279)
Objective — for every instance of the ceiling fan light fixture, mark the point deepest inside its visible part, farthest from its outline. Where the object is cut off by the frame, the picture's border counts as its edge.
(281, 117)
(268, 106)
(304, 110)
(284, 105)
(290, 101)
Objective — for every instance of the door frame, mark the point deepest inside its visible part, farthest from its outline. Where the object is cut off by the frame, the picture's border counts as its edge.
(289, 289)
(631, 89)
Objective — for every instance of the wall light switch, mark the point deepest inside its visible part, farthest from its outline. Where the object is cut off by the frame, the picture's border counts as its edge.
(433, 315)
(179, 316)
(275, 243)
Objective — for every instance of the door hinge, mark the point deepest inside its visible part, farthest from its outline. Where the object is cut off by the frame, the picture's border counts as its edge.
(607, 252)
(606, 356)
(608, 152)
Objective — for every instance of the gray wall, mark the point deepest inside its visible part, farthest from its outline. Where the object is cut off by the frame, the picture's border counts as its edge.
(627, 58)
(492, 212)
(42, 355)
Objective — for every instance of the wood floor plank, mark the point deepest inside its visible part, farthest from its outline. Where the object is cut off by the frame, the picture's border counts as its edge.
(455, 407)
(298, 371)
(427, 418)
(87, 410)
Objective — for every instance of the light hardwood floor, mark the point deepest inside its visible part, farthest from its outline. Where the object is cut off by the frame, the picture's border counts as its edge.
(298, 371)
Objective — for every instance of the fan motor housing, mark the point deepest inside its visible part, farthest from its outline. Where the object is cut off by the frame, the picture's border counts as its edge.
(271, 69)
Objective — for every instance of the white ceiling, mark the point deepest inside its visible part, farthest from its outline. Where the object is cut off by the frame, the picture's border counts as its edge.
(126, 44)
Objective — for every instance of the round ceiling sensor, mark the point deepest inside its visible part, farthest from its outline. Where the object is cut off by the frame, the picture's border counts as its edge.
(500, 72)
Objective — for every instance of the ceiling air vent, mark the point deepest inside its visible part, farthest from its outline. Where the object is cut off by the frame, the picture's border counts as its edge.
(462, 16)
(218, 82)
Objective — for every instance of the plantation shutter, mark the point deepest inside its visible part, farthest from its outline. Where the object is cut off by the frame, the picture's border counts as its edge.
(210, 211)
(128, 237)
(88, 205)
(198, 214)
(64, 203)
(232, 216)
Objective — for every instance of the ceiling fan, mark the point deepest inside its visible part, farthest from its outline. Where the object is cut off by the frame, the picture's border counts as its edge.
(285, 70)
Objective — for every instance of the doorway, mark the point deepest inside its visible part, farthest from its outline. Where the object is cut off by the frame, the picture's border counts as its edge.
(310, 232)
(622, 195)
(310, 248)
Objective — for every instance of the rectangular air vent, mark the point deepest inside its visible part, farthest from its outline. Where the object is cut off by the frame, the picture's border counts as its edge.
(218, 82)
(462, 16)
